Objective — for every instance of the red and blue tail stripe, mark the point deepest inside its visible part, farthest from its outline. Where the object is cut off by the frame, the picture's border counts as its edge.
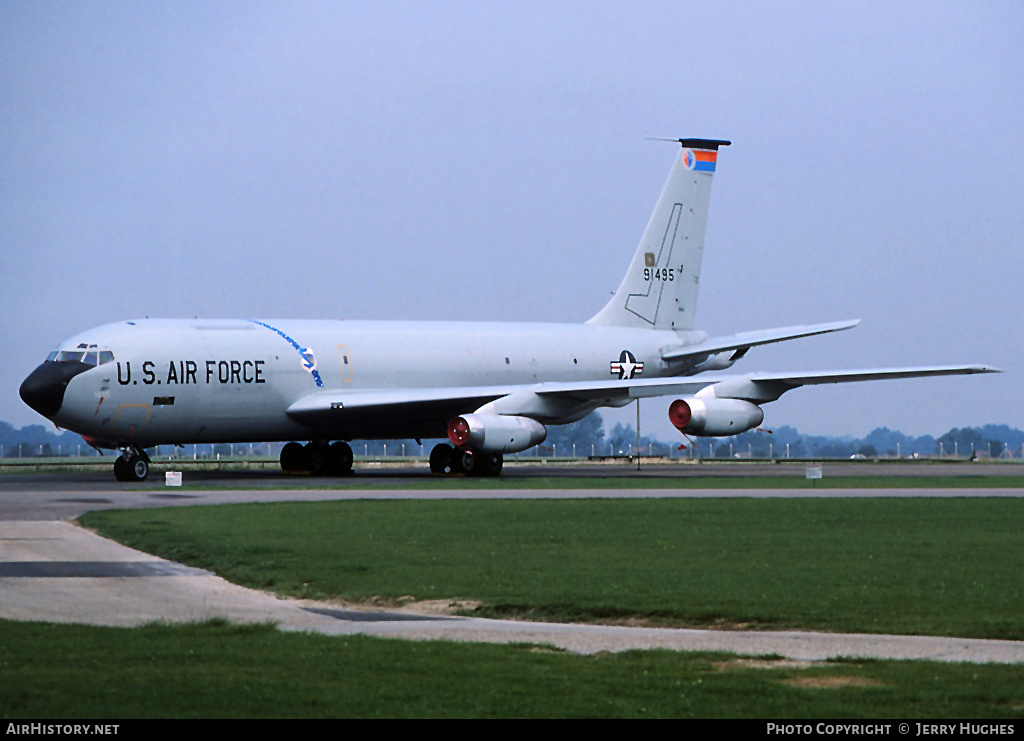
(700, 160)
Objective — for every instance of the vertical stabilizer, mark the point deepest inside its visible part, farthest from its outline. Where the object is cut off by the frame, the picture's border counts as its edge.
(660, 288)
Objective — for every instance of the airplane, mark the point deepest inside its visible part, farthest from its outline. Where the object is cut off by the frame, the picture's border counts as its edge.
(491, 388)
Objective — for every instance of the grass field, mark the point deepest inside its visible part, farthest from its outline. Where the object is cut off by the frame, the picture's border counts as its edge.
(914, 566)
(216, 670)
(629, 479)
(573, 473)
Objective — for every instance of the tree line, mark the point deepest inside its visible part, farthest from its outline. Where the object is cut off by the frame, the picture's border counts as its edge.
(588, 437)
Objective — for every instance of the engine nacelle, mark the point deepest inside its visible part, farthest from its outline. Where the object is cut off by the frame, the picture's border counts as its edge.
(495, 433)
(714, 417)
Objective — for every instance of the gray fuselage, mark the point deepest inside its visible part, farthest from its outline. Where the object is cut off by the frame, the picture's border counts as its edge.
(200, 381)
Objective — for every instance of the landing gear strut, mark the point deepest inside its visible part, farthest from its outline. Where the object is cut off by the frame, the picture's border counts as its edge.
(132, 465)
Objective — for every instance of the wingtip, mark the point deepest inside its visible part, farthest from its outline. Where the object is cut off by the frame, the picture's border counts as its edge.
(979, 368)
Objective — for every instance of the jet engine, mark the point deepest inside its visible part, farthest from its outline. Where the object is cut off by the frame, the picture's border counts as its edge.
(495, 433)
(714, 417)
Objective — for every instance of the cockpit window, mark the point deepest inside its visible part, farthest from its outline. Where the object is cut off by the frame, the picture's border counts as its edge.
(89, 357)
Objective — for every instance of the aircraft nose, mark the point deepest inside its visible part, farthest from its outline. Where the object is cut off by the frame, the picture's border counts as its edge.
(44, 388)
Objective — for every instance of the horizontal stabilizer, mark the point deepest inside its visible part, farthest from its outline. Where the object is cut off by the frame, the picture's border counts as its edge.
(743, 340)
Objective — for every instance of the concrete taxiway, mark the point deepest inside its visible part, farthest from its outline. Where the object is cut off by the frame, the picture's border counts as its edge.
(52, 570)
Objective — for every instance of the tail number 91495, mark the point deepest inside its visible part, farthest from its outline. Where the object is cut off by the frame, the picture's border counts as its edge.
(660, 273)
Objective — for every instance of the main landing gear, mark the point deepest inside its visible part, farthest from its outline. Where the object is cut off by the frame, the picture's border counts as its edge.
(131, 465)
(318, 458)
(445, 459)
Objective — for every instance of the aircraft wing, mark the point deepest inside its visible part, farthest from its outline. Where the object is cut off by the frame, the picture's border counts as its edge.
(429, 408)
(745, 340)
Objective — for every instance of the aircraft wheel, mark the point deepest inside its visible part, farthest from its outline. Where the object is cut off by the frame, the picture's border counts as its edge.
(441, 458)
(481, 464)
(468, 463)
(315, 455)
(340, 457)
(490, 464)
(137, 468)
(121, 468)
(291, 457)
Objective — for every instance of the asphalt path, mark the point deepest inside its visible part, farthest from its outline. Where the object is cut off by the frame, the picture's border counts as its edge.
(52, 570)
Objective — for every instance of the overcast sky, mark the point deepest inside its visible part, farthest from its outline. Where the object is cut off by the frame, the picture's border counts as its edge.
(487, 160)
